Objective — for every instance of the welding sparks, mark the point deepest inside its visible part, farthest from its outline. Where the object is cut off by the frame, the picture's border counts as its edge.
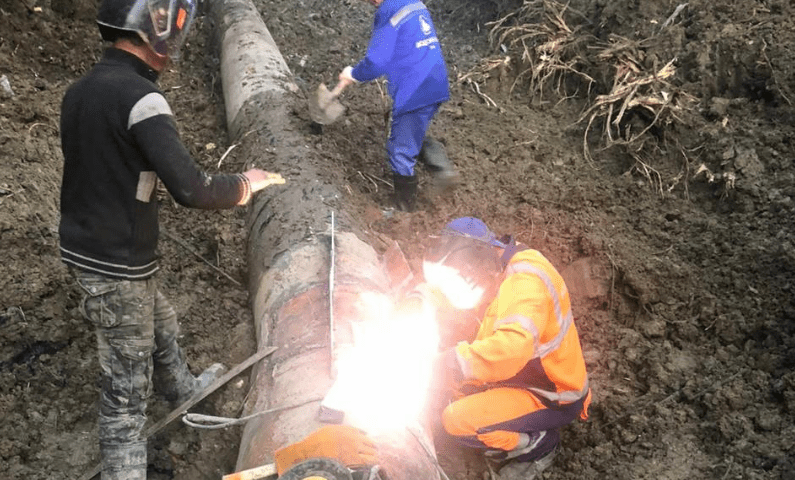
(383, 379)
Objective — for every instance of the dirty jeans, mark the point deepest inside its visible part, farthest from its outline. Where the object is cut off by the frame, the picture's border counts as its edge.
(137, 332)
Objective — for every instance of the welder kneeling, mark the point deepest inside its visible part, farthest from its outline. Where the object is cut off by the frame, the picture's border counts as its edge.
(523, 375)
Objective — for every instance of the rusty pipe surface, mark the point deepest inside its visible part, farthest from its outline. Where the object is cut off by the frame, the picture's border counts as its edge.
(289, 255)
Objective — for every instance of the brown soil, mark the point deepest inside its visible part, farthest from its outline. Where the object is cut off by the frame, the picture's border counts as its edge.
(690, 344)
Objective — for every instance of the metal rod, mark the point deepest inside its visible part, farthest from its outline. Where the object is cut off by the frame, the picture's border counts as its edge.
(196, 398)
(332, 259)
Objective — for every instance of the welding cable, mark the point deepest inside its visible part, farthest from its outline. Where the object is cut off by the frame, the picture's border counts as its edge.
(374, 473)
(209, 422)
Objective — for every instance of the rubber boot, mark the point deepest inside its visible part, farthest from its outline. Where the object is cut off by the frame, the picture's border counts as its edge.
(518, 470)
(124, 462)
(209, 375)
(172, 378)
(531, 446)
(405, 194)
(200, 383)
(434, 156)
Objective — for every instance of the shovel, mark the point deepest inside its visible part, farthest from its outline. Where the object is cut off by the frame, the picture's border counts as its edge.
(324, 108)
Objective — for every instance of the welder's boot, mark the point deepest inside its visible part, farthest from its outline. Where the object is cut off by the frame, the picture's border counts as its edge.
(405, 194)
(533, 454)
(434, 156)
(171, 376)
(200, 383)
(123, 461)
(209, 375)
(527, 470)
(531, 446)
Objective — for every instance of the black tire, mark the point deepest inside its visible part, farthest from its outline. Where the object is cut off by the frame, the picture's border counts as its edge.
(325, 468)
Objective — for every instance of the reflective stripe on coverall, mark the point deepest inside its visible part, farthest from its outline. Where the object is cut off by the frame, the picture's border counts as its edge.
(404, 48)
(526, 362)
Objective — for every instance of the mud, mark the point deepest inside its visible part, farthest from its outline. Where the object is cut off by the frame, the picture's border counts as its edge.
(688, 328)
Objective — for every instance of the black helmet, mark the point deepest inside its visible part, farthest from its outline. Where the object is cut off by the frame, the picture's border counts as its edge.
(163, 24)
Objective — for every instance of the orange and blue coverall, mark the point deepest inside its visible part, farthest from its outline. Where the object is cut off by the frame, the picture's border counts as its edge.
(525, 371)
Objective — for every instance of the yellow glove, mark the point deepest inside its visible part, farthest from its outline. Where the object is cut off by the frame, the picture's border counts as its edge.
(346, 444)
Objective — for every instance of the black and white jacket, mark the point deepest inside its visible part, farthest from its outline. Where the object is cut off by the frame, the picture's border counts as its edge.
(118, 138)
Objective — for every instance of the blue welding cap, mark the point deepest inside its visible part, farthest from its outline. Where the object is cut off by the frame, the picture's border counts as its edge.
(471, 227)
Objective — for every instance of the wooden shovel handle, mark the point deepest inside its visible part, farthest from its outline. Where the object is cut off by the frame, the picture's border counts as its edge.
(338, 89)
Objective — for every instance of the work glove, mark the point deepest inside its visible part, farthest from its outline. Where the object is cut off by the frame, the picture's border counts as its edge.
(346, 76)
(261, 179)
(410, 306)
(348, 445)
(258, 179)
(447, 375)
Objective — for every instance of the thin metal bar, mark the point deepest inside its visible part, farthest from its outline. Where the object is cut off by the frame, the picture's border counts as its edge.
(196, 398)
(332, 259)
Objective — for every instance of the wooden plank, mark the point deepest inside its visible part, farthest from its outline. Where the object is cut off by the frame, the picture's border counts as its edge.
(256, 473)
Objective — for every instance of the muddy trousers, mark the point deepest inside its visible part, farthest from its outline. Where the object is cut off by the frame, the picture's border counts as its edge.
(492, 420)
(136, 332)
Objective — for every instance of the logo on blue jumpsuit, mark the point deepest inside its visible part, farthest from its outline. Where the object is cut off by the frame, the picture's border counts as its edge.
(425, 26)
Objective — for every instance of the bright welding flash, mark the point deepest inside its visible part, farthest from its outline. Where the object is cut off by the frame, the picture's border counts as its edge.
(383, 380)
(461, 293)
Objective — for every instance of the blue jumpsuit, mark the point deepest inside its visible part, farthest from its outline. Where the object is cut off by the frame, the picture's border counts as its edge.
(404, 48)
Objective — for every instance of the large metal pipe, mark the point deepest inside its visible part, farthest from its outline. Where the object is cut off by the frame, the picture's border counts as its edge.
(289, 254)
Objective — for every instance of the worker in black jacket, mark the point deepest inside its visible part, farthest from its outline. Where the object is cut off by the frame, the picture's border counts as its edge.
(119, 139)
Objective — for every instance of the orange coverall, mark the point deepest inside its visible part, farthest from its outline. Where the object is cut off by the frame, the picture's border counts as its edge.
(525, 364)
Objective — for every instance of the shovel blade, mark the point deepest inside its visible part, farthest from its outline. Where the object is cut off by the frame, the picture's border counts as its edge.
(324, 108)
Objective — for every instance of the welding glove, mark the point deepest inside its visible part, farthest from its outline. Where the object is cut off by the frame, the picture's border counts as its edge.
(260, 179)
(346, 444)
(423, 295)
(447, 374)
(409, 307)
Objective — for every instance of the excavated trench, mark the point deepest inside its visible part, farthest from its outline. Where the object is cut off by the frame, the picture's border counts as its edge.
(308, 267)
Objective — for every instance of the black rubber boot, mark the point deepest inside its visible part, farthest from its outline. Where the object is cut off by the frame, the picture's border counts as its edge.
(200, 383)
(434, 156)
(405, 195)
(171, 377)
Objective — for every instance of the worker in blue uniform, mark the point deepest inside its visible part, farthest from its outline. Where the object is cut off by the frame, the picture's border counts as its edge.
(405, 49)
